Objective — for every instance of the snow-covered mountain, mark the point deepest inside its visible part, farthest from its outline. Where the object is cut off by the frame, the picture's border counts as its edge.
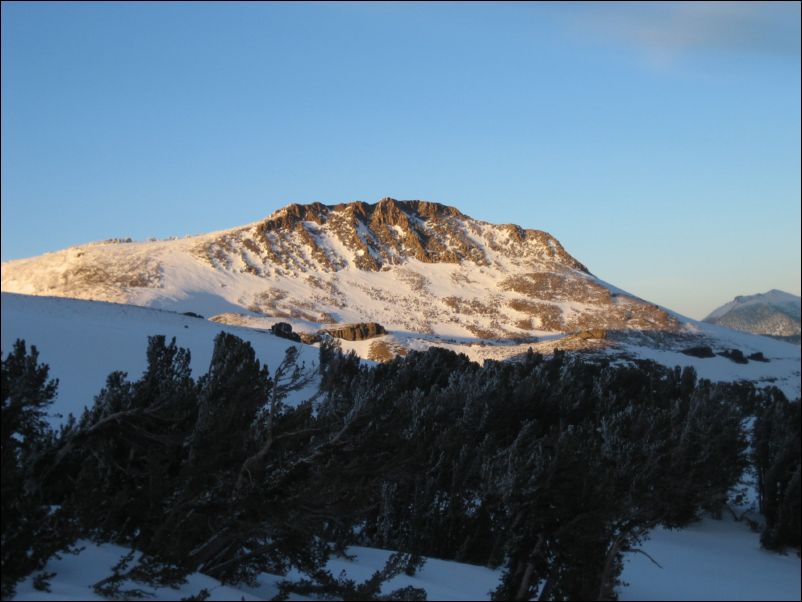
(426, 272)
(775, 313)
(414, 267)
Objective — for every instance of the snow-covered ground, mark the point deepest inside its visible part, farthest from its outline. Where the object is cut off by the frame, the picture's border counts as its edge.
(83, 341)
(781, 370)
(710, 560)
(76, 573)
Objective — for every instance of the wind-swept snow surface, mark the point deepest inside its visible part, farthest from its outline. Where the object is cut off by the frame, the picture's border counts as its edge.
(76, 573)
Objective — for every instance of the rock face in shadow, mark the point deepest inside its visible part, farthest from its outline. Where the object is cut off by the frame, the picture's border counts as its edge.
(309, 338)
(701, 351)
(284, 330)
(356, 332)
(734, 355)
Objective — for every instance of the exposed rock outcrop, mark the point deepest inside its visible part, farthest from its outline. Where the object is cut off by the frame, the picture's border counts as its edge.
(390, 231)
(356, 332)
(309, 338)
(595, 333)
(284, 330)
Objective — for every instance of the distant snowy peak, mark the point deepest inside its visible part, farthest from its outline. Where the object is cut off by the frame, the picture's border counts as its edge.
(774, 298)
(774, 313)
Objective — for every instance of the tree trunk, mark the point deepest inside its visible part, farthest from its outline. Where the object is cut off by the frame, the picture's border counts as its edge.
(606, 588)
(526, 580)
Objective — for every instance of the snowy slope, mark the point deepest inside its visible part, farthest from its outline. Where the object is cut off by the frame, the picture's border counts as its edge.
(83, 341)
(415, 267)
(781, 370)
(775, 298)
(710, 560)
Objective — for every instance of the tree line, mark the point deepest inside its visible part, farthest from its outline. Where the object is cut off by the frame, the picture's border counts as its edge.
(550, 467)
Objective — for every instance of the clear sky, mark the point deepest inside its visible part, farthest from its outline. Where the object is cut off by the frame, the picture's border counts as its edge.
(660, 143)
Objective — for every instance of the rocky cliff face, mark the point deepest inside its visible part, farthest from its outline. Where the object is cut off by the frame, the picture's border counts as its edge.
(386, 233)
(415, 267)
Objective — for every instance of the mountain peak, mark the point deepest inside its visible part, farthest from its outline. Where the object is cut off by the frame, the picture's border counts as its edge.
(410, 265)
(390, 232)
(387, 206)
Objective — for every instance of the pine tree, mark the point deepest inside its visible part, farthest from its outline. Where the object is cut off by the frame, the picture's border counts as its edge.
(116, 468)
(26, 393)
(776, 456)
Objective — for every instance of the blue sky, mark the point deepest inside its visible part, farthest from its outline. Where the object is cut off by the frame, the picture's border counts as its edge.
(660, 143)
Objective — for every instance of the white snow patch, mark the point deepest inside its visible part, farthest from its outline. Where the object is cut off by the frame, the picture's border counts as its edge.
(83, 341)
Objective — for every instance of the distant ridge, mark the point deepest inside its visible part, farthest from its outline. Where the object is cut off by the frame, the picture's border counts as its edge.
(775, 313)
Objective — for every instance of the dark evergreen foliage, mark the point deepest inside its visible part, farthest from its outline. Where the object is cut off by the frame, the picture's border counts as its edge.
(31, 530)
(553, 466)
(777, 463)
(324, 585)
(734, 355)
(550, 467)
(115, 468)
(702, 351)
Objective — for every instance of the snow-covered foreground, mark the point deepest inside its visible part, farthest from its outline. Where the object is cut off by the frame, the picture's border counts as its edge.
(83, 341)
(711, 560)
(75, 575)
